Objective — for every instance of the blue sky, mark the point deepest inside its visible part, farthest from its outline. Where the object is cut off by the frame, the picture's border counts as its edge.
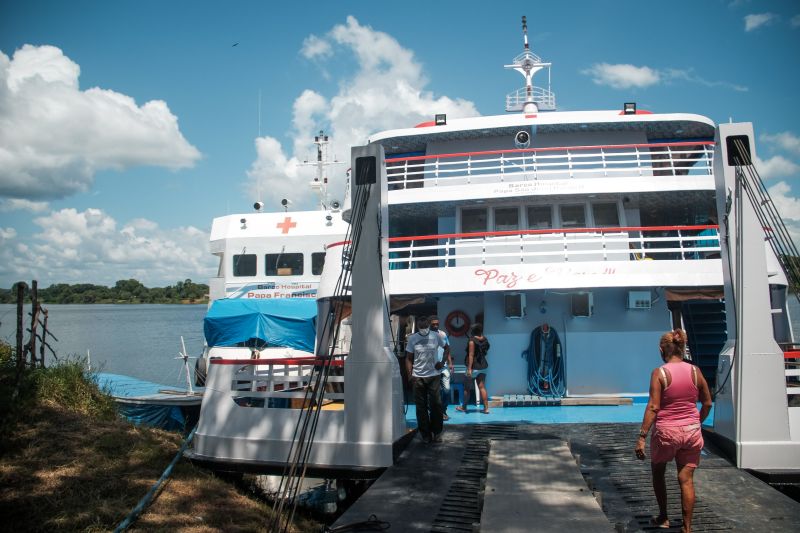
(127, 126)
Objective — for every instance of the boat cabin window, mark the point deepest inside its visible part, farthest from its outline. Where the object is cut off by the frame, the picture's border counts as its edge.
(317, 262)
(506, 218)
(284, 264)
(244, 265)
(473, 220)
(540, 217)
(573, 216)
(605, 215)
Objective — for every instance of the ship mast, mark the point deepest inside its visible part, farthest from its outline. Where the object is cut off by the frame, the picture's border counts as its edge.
(320, 181)
(530, 99)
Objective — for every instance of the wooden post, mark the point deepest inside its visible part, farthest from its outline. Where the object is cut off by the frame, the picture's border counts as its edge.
(20, 331)
(34, 322)
(20, 352)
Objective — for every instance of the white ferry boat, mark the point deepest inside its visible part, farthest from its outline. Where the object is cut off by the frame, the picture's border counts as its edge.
(265, 257)
(262, 300)
(600, 224)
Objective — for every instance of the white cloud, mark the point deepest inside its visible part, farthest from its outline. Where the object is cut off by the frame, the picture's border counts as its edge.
(387, 91)
(6, 234)
(788, 207)
(754, 21)
(79, 246)
(622, 76)
(794, 22)
(625, 76)
(785, 140)
(54, 137)
(19, 204)
(776, 167)
(671, 74)
(314, 47)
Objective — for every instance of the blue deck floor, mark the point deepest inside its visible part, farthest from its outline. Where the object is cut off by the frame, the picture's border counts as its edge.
(579, 414)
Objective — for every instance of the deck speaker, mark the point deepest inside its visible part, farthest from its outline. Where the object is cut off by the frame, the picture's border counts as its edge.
(514, 305)
(582, 304)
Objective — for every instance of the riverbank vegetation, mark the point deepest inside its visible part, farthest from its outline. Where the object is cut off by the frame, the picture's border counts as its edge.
(69, 463)
(128, 291)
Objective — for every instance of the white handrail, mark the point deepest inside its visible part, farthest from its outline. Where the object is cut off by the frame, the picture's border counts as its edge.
(551, 163)
(609, 245)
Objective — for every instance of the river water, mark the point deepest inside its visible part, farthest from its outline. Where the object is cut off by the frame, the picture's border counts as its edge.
(141, 340)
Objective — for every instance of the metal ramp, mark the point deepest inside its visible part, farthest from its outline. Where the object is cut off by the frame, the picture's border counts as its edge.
(536, 485)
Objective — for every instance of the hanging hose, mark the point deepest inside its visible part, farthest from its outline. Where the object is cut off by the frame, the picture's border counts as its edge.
(545, 365)
(145, 501)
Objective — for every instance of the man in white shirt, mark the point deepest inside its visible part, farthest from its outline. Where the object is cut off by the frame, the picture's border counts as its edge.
(423, 367)
(447, 367)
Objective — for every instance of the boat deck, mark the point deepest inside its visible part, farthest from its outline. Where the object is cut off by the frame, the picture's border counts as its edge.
(448, 486)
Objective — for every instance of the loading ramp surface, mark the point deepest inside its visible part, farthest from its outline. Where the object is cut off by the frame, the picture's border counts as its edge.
(441, 487)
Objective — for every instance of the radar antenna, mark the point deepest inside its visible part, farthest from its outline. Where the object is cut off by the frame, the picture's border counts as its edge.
(530, 99)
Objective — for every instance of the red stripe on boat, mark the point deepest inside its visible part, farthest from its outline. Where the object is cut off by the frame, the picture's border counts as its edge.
(305, 361)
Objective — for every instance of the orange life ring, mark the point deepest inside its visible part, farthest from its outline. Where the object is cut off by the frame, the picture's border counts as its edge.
(457, 323)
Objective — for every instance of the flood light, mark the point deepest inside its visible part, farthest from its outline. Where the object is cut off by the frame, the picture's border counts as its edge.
(629, 108)
(441, 120)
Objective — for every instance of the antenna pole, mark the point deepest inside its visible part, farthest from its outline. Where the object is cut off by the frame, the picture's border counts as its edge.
(525, 32)
(320, 182)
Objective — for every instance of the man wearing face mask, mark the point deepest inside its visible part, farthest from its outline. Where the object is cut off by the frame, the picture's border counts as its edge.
(423, 367)
(447, 367)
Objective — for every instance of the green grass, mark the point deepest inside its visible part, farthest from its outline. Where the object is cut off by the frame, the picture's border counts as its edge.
(69, 463)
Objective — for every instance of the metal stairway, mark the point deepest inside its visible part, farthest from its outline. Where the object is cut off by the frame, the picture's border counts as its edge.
(704, 321)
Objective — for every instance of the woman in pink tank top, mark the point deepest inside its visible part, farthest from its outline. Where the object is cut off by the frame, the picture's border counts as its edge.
(675, 389)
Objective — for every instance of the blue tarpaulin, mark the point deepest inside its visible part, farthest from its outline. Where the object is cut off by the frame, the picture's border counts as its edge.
(150, 413)
(289, 323)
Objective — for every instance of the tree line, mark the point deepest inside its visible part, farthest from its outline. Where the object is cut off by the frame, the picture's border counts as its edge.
(128, 291)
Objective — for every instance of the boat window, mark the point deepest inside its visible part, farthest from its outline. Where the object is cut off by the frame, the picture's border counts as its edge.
(284, 264)
(605, 215)
(317, 262)
(506, 218)
(540, 217)
(244, 265)
(573, 216)
(473, 220)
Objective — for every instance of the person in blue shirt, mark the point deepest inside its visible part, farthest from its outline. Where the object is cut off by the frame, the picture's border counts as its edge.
(424, 369)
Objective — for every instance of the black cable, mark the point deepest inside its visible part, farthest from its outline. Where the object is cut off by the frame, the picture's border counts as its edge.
(306, 426)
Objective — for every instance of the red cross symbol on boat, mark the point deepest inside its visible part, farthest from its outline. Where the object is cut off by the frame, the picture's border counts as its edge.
(286, 225)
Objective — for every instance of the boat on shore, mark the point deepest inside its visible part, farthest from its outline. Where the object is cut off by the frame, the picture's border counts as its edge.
(603, 228)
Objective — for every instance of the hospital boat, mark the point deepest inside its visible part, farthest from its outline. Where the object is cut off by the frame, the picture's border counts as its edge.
(601, 224)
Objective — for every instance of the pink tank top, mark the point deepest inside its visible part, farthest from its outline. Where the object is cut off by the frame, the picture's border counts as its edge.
(679, 399)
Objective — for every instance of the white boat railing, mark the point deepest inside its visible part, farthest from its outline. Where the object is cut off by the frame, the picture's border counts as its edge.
(555, 246)
(494, 166)
(544, 99)
(276, 383)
